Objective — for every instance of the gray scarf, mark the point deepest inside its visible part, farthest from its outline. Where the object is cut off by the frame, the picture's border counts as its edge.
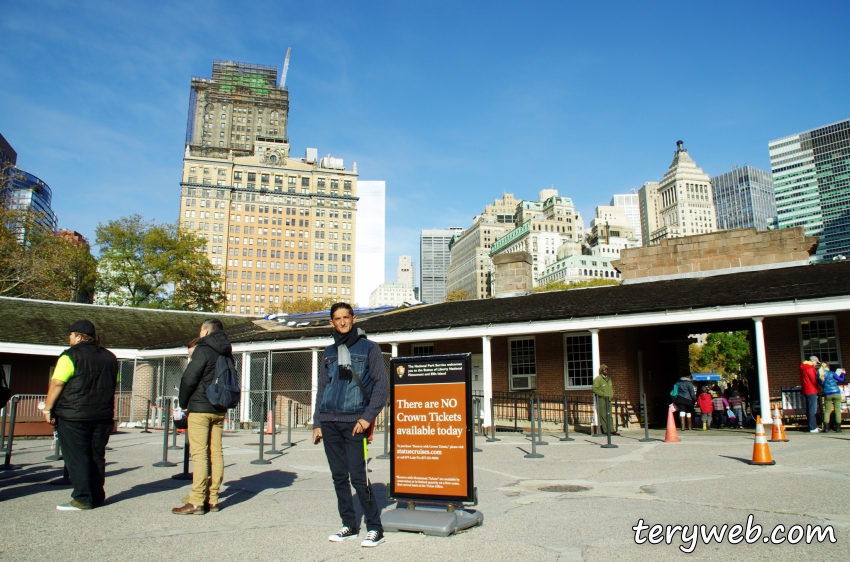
(342, 342)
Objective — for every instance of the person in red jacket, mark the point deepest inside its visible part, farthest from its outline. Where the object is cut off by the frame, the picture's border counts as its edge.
(809, 383)
(705, 407)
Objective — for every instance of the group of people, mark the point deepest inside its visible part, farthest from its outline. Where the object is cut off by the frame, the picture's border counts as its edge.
(718, 407)
(816, 378)
(353, 387)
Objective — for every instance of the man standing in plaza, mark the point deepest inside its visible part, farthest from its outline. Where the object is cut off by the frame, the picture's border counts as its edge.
(604, 391)
(205, 420)
(809, 384)
(81, 403)
(352, 390)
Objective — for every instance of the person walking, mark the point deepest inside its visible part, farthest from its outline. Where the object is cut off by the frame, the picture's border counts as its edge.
(832, 395)
(352, 390)
(720, 405)
(685, 399)
(206, 421)
(81, 403)
(706, 407)
(736, 402)
(604, 391)
(809, 384)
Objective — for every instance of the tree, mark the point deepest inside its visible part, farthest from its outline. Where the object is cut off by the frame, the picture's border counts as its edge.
(152, 265)
(458, 295)
(561, 286)
(307, 305)
(35, 262)
(726, 353)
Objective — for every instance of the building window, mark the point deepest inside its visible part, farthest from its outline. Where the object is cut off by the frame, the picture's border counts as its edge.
(522, 364)
(578, 350)
(422, 349)
(305, 181)
(819, 337)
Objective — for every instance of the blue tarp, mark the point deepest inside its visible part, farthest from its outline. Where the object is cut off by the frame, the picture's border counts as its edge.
(705, 376)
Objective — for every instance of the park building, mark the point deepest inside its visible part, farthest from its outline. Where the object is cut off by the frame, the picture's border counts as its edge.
(278, 228)
(744, 198)
(544, 228)
(392, 294)
(686, 201)
(470, 267)
(610, 232)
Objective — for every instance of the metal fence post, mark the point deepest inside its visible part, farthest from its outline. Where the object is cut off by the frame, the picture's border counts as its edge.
(492, 438)
(533, 454)
(7, 465)
(185, 475)
(566, 436)
(516, 412)
(386, 453)
(147, 418)
(646, 423)
(174, 445)
(608, 425)
(475, 404)
(165, 431)
(3, 430)
(289, 442)
(273, 450)
(260, 459)
(540, 440)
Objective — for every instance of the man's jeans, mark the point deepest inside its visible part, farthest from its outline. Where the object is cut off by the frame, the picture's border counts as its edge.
(346, 458)
(205, 446)
(812, 410)
(84, 450)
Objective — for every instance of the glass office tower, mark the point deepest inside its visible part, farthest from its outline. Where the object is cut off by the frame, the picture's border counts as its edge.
(435, 258)
(25, 191)
(744, 198)
(811, 177)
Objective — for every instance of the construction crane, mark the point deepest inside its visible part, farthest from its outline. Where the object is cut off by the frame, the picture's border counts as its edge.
(285, 68)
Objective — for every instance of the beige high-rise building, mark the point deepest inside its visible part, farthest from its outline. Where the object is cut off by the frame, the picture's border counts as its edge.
(611, 231)
(686, 201)
(650, 210)
(280, 229)
(470, 267)
(405, 271)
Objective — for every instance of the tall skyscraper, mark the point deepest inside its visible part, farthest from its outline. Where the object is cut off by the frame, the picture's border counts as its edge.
(687, 205)
(811, 179)
(650, 210)
(434, 261)
(279, 228)
(405, 271)
(744, 198)
(7, 153)
(630, 202)
(23, 191)
(371, 239)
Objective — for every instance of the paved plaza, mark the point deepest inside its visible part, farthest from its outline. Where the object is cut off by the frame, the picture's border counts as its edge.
(286, 510)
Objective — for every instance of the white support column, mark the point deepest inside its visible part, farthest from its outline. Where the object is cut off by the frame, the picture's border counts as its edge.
(488, 380)
(245, 405)
(314, 379)
(761, 365)
(594, 346)
(394, 352)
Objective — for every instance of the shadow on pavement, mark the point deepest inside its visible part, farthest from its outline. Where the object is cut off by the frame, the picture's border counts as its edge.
(247, 487)
(46, 479)
(745, 461)
(144, 489)
(11, 477)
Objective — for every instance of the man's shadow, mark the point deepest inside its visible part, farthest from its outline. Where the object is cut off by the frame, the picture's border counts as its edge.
(46, 482)
(247, 487)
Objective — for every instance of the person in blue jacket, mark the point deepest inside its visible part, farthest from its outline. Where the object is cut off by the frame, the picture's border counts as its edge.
(832, 395)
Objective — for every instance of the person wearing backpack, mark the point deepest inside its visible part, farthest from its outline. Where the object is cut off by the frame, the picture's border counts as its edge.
(206, 419)
(352, 390)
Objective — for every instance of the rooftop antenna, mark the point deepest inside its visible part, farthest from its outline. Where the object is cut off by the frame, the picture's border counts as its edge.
(285, 68)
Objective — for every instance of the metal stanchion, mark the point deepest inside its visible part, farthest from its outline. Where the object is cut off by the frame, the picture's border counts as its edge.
(492, 437)
(540, 440)
(475, 404)
(260, 459)
(533, 454)
(165, 431)
(7, 465)
(646, 423)
(273, 450)
(147, 417)
(3, 430)
(57, 455)
(386, 453)
(566, 436)
(174, 446)
(289, 442)
(608, 425)
(185, 475)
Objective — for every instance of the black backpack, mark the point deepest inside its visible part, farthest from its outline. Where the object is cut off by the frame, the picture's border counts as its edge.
(223, 392)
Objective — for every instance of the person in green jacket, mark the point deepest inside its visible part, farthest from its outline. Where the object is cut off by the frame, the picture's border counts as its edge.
(604, 391)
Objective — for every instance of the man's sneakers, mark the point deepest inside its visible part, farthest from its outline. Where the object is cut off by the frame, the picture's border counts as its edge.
(73, 505)
(373, 538)
(343, 535)
(816, 430)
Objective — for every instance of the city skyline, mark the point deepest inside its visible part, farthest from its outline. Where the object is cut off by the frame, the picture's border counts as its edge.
(99, 109)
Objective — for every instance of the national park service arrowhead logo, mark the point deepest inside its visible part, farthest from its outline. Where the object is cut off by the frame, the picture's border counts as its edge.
(400, 370)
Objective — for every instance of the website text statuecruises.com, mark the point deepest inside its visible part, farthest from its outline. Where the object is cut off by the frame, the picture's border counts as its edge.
(691, 535)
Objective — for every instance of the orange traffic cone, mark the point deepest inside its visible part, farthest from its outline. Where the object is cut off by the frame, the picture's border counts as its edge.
(671, 436)
(778, 429)
(270, 423)
(761, 451)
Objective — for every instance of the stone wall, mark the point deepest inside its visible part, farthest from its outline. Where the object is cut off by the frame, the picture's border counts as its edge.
(513, 274)
(728, 251)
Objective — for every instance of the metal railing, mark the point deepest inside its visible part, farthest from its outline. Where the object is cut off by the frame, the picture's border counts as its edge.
(514, 407)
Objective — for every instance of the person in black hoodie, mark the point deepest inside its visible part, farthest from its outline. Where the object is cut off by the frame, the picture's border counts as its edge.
(205, 420)
(81, 402)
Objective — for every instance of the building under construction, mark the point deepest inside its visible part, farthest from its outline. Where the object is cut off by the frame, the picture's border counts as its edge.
(240, 104)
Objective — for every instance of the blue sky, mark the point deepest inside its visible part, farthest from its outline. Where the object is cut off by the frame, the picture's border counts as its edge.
(452, 103)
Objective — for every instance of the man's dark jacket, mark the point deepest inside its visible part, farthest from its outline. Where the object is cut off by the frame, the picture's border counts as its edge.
(89, 395)
(200, 373)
